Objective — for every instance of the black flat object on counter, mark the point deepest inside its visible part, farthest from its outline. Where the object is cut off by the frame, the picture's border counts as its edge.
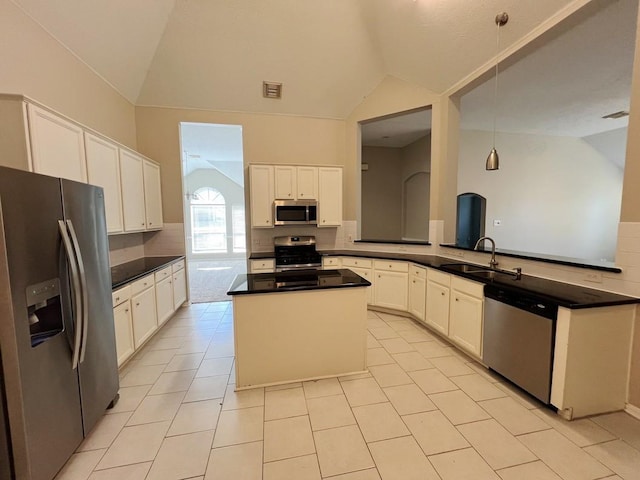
(130, 271)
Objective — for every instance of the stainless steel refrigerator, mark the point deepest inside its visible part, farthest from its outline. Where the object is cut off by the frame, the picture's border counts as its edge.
(57, 340)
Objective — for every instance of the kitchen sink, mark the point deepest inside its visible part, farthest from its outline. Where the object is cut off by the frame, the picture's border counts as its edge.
(476, 270)
(467, 268)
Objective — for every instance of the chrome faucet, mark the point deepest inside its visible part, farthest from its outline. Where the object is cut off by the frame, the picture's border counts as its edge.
(492, 263)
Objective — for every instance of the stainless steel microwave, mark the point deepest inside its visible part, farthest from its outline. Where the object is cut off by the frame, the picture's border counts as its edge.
(295, 212)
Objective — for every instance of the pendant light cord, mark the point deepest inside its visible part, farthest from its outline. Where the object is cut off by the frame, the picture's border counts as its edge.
(495, 92)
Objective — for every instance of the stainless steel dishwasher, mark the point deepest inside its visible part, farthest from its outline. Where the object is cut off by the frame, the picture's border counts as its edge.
(518, 338)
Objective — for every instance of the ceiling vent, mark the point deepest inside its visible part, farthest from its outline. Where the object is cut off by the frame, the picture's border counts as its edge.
(620, 114)
(271, 90)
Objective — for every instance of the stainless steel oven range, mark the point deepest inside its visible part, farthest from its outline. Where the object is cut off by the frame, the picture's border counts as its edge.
(293, 253)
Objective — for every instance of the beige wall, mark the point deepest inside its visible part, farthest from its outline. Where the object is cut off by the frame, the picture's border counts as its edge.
(34, 64)
(381, 194)
(630, 211)
(265, 138)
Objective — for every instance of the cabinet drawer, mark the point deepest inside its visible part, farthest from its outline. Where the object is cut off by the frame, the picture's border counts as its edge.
(473, 289)
(264, 264)
(179, 265)
(357, 262)
(334, 262)
(439, 277)
(162, 274)
(142, 284)
(416, 271)
(391, 266)
(121, 295)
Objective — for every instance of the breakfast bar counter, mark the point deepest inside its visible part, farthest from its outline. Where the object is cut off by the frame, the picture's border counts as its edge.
(298, 325)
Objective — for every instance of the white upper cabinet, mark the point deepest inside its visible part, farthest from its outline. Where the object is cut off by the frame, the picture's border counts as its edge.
(307, 183)
(261, 195)
(329, 196)
(132, 182)
(152, 195)
(296, 182)
(103, 170)
(57, 145)
(285, 182)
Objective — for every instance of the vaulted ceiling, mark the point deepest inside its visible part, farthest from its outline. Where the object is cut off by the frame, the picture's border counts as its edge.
(329, 54)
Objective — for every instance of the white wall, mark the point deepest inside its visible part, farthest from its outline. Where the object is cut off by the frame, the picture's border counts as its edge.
(553, 195)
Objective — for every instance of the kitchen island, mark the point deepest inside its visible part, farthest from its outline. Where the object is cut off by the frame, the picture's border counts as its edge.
(298, 325)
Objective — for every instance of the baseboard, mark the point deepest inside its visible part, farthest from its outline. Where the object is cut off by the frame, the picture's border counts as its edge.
(632, 410)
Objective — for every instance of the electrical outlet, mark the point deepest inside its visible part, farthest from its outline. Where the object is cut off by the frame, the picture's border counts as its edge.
(595, 277)
(350, 238)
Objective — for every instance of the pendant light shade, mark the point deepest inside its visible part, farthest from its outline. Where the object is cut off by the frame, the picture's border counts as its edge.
(493, 161)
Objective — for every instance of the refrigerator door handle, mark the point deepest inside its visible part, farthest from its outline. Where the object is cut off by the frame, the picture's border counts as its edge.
(75, 278)
(85, 290)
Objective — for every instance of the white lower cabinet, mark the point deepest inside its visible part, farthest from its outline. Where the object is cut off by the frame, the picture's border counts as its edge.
(164, 300)
(143, 306)
(179, 288)
(466, 314)
(437, 305)
(330, 263)
(417, 291)
(123, 324)
(391, 284)
(262, 266)
(362, 267)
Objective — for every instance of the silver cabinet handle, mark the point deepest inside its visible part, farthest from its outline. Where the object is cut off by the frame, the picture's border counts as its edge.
(85, 290)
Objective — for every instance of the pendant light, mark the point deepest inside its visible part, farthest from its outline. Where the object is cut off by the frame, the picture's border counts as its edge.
(493, 161)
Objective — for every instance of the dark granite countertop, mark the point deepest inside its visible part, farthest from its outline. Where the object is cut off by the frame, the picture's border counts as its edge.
(564, 294)
(295, 280)
(130, 271)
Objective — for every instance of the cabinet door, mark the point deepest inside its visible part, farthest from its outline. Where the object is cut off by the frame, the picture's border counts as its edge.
(417, 296)
(329, 197)
(465, 323)
(145, 320)
(132, 183)
(331, 263)
(57, 146)
(179, 289)
(261, 195)
(307, 183)
(367, 274)
(391, 290)
(437, 314)
(164, 300)
(103, 170)
(152, 195)
(124, 331)
(285, 182)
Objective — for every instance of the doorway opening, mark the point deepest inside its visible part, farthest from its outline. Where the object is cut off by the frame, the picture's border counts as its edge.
(214, 210)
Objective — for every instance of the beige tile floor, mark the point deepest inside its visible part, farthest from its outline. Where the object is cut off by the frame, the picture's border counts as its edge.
(425, 411)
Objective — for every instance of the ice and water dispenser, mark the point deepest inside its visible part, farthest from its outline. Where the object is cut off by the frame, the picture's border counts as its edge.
(44, 309)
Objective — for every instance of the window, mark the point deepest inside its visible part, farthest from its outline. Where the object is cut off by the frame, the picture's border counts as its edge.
(237, 225)
(208, 221)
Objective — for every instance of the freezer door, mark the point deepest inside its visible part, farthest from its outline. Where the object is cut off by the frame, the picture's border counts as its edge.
(98, 368)
(36, 328)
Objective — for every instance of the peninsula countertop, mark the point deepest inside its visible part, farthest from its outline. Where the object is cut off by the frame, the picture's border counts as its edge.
(563, 294)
